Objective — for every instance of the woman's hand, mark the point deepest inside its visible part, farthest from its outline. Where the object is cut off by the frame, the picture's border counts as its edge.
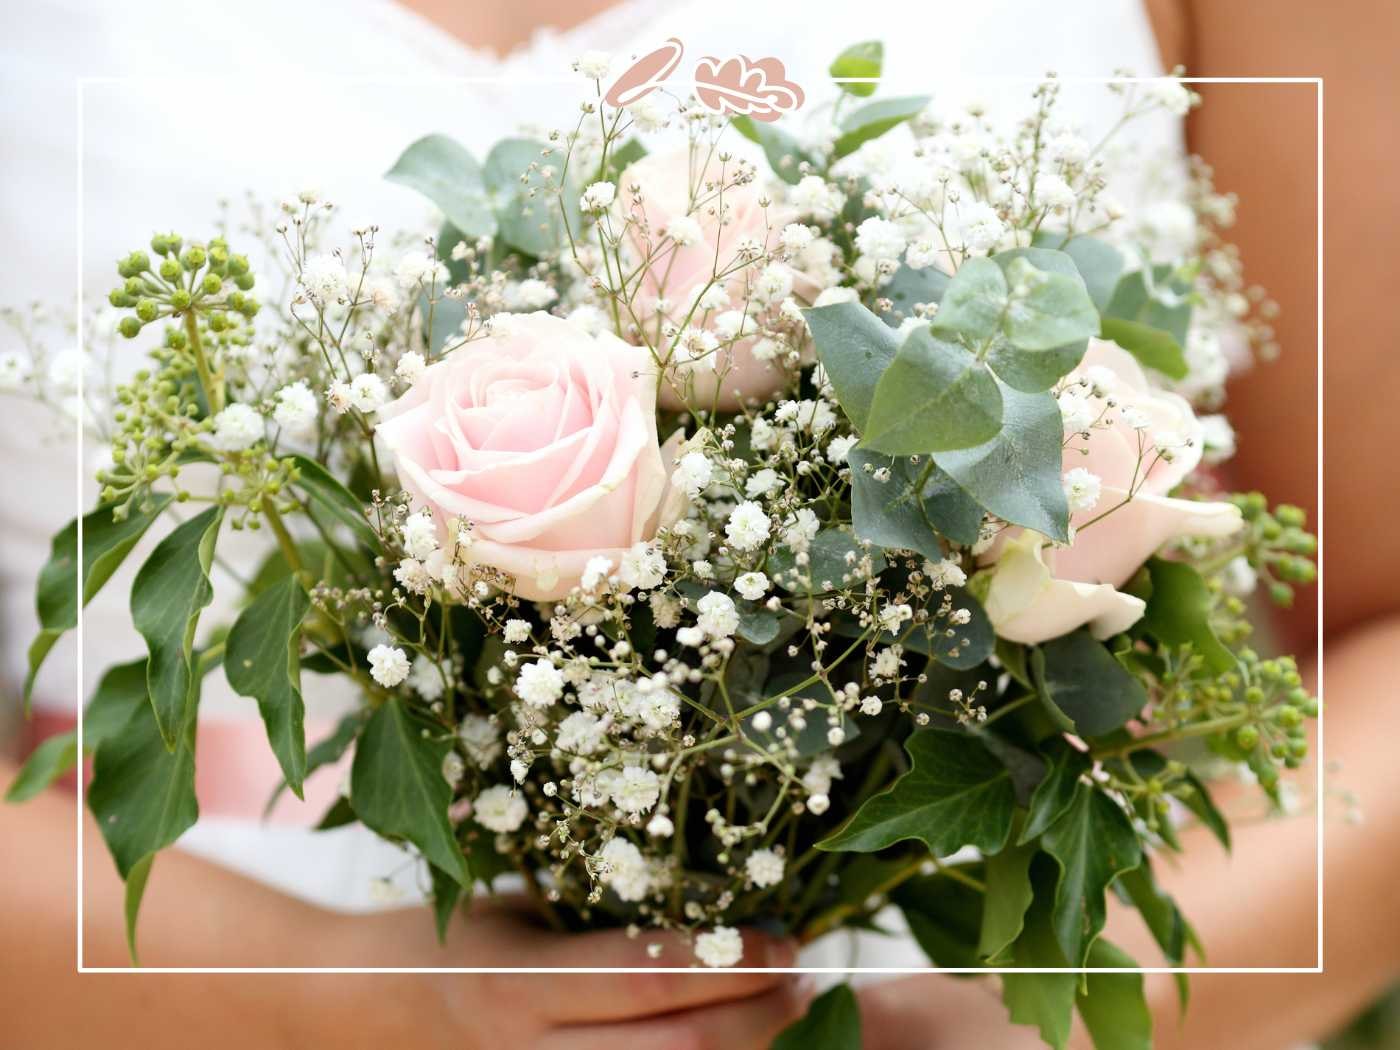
(564, 1011)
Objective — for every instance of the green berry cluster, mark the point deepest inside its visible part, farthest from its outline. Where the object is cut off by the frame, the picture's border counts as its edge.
(1278, 546)
(205, 279)
(1274, 708)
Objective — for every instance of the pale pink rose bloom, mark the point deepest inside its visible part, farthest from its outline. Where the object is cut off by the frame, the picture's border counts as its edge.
(543, 439)
(679, 274)
(1042, 592)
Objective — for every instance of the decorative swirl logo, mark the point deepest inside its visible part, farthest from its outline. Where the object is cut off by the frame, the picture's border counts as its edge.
(737, 86)
(744, 87)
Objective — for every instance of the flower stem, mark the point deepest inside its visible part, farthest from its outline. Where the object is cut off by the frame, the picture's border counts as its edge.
(213, 393)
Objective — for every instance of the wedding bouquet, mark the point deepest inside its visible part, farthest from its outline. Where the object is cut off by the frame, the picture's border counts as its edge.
(722, 522)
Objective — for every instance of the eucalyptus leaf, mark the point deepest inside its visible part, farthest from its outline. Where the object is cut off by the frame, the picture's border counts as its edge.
(974, 302)
(912, 507)
(533, 215)
(855, 347)
(1047, 309)
(444, 171)
(955, 794)
(397, 787)
(262, 662)
(933, 397)
(170, 590)
(1016, 475)
(909, 288)
(1098, 262)
(784, 154)
(106, 542)
(833, 559)
(1157, 298)
(1034, 370)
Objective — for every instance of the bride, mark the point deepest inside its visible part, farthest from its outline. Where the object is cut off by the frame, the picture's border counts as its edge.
(187, 103)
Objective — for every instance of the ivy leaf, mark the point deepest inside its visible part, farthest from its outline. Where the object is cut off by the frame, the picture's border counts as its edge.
(855, 348)
(1083, 686)
(934, 396)
(335, 499)
(447, 894)
(262, 661)
(1152, 347)
(782, 150)
(1048, 309)
(911, 509)
(863, 61)
(1016, 475)
(974, 302)
(1093, 842)
(945, 916)
(1113, 1006)
(49, 761)
(1044, 1001)
(1055, 793)
(530, 212)
(1178, 612)
(327, 750)
(169, 592)
(444, 171)
(955, 794)
(832, 1022)
(871, 121)
(1008, 895)
(397, 787)
(106, 542)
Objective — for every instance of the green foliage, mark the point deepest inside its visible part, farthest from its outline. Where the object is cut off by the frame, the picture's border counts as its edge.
(444, 171)
(974, 303)
(826, 566)
(1083, 687)
(1156, 298)
(169, 592)
(1093, 842)
(107, 540)
(855, 348)
(1016, 475)
(447, 895)
(1054, 794)
(1007, 897)
(873, 120)
(262, 662)
(1047, 309)
(49, 761)
(832, 1022)
(1113, 1006)
(531, 213)
(329, 495)
(1179, 610)
(955, 794)
(397, 787)
(1099, 263)
(1044, 1001)
(934, 396)
(1153, 347)
(784, 154)
(863, 61)
(910, 510)
(945, 915)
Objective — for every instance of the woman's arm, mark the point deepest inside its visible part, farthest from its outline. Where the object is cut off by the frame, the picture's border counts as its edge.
(198, 914)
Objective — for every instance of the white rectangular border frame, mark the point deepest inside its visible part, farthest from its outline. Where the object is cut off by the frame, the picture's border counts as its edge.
(1320, 787)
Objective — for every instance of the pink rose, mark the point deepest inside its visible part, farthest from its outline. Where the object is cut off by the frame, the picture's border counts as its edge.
(542, 439)
(680, 273)
(1140, 438)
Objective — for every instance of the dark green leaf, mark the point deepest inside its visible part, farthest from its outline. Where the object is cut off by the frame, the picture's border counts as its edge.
(912, 508)
(447, 895)
(106, 542)
(397, 787)
(169, 592)
(1055, 793)
(1016, 475)
(46, 763)
(445, 172)
(955, 794)
(833, 558)
(335, 499)
(1113, 1006)
(1199, 802)
(1160, 303)
(1178, 613)
(1158, 911)
(1042, 1000)
(1153, 347)
(811, 738)
(832, 1022)
(1008, 896)
(873, 120)
(784, 155)
(855, 348)
(945, 917)
(1080, 681)
(974, 302)
(863, 61)
(1093, 842)
(131, 901)
(261, 662)
(339, 815)
(934, 396)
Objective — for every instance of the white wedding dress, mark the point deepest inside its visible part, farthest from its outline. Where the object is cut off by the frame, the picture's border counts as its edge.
(186, 103)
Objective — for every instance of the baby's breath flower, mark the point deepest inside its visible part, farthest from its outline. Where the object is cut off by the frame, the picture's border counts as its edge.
(722, 946)
(388, 665)
(500, 809)
(539, 683)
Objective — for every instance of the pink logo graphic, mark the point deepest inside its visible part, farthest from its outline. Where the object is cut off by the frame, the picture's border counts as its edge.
(646, 74)
(740, 87)
(744, 87)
